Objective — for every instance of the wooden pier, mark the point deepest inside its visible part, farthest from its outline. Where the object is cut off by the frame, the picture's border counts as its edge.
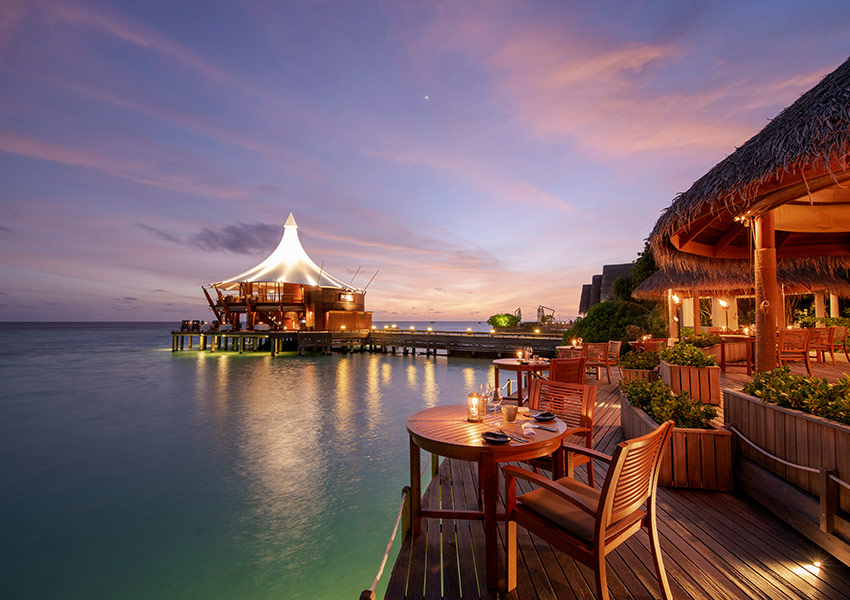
(715, 545)
(429, 343)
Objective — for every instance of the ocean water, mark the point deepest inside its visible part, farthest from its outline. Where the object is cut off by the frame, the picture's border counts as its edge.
(132, 472)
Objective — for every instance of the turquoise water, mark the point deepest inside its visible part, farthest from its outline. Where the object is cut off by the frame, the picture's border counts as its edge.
(133, 472)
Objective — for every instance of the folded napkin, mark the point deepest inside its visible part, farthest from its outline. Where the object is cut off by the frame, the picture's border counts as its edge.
(527, 429)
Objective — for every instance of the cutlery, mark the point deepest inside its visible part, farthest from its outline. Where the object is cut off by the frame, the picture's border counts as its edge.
(514, 437)
(545, 428)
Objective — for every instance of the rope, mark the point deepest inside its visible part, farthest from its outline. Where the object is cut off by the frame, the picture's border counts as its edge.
(840, 482)
(776, 458)
(395, 531)
(390, 543)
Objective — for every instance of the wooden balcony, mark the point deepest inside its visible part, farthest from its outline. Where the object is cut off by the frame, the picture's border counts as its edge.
(716, 545)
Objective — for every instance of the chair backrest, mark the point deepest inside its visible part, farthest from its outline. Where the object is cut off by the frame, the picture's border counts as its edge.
(572, 402)
(614, 351)
(791, 340)
(821, 336)
(839, 335)
(655, 344)
(633, 475)
(595, 352)
(569, 353)
(567, 370)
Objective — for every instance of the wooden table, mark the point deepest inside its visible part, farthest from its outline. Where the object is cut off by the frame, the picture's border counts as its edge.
(514, 364)
(444, 431)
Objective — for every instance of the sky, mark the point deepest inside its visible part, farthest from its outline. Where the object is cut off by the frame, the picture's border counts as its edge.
(480, 156)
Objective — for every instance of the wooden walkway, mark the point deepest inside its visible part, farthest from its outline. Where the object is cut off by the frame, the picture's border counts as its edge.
(715, 545)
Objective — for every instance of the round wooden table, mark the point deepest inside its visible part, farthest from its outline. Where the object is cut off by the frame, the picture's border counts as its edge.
(514, 364)
(444, 431)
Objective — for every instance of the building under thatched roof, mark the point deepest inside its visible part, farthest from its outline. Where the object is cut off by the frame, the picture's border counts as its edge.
(797, 167)
(733, 283)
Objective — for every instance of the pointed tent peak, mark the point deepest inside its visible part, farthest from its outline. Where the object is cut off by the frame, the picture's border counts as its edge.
(290, 221)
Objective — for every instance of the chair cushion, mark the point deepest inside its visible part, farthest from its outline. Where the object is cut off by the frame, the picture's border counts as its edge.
(562, 512)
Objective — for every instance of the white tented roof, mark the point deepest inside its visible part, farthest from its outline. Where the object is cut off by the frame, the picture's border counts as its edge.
(289, 263)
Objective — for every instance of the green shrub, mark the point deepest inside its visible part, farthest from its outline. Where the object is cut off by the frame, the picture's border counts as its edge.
(608, 321)
(833, 321)
(687, 355)
(701, 340)
(503, 320)
(657, 399)
(814, 395)
(640, 360)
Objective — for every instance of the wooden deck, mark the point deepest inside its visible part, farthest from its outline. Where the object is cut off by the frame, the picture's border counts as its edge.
(715, 545)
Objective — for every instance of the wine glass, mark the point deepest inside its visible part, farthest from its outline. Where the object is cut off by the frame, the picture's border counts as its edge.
(495, 398)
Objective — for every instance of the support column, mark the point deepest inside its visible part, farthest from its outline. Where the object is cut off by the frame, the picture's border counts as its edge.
(833, 305)
(820, 308)
(767, 292)
(672, 309)
(697, 313)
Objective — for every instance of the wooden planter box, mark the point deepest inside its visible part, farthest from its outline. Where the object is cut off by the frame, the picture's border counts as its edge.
(646, 374)
(702, 383)
(735, 351)
(809, 501)
(695, 458)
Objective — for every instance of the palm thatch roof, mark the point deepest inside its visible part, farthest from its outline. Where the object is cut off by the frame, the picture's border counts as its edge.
(736, 283)
(800, 157)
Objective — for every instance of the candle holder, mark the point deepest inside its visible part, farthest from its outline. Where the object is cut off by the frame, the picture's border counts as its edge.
(476, 408)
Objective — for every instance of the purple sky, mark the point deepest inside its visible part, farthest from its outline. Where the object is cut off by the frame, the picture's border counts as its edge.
(483, 156)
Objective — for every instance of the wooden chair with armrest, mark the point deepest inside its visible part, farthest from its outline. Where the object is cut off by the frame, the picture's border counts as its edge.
(820, 342)
(839, 339)
(613, 357)
(655, 344)
(793, 344)
(567, 370)
(570, 353)
(586, 523)
(597, 357)
(574, 404)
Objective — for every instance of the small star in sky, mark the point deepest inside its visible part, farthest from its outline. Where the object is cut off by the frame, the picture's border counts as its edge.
(426, 97)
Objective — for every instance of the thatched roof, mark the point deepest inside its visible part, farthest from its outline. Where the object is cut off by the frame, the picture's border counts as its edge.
(736, 283)
(800, 152)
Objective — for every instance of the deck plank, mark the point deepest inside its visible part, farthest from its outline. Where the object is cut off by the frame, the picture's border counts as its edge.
(715, 545)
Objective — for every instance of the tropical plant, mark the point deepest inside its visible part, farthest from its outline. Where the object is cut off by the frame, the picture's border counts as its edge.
(814, 395)
(687, 355)
(702, 340)
(640, 360)
(657, 399)
(608, 321)
(503, 320)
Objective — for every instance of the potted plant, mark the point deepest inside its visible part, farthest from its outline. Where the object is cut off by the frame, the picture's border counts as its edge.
(801, 421)
(686, 368)
(699, 455)
(640, 365)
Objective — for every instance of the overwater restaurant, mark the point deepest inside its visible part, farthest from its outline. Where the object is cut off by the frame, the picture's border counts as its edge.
(288, 291)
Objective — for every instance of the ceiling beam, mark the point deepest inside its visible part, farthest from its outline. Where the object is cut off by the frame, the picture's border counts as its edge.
(730, 236)
(694, 229)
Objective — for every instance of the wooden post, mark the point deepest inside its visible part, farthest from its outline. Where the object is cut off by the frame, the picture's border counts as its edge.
(828, 500)
(697, 312)
(780, 312)
(672, 322)
(833, 305)
(820, 307)
(767, 293)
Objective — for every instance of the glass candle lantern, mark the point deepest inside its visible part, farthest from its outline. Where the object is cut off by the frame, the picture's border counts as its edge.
(476, 408)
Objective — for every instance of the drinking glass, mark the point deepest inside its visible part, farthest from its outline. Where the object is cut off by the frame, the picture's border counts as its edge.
(495, 398)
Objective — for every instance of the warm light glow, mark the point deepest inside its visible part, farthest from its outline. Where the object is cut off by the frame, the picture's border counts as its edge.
(574, 342)
(430, 329)
(536, 331)
(386, 326)
(412, 328)
(723, 303)
(492, 331)
(342, 326)
(746, 331)
(790, 327)
(675, 298)
(395, 326)
(519, 355)
(374, 326)
(469, 330)
(816, 564)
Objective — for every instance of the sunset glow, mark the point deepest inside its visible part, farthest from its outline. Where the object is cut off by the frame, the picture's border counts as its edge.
(479, 156)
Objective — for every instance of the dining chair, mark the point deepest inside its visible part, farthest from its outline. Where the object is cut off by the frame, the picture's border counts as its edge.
(655, 344)
(839, 339)
(793, 344)
(820, 341)
(567, 370)
(573, 403)
(569, 353)
(586, 523)
(613, 357)
(597, 357)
